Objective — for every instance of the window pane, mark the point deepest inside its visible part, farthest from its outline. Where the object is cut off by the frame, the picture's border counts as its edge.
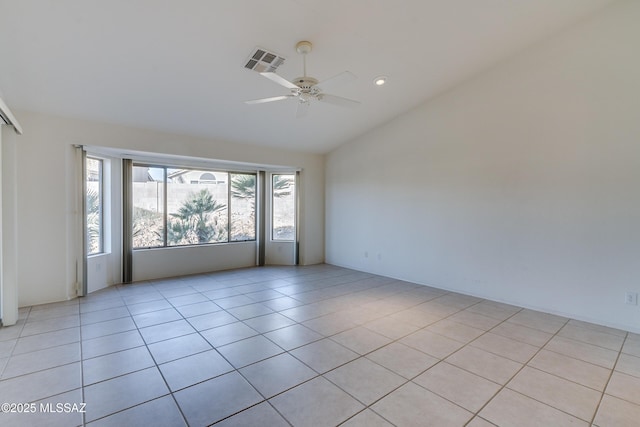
(94, 206)
(283, 218)
(196, 206)
(243, 207)
(148, 207)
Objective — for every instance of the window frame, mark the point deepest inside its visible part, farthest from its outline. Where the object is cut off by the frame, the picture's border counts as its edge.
(165, 214)
(255, 205)
(101, 202)
(273, 198)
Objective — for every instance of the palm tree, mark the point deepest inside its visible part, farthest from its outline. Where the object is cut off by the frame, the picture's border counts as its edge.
(93, 221)
(243, 186)
(283, 221)
(243, 204)
(282, 185)
(195, 221)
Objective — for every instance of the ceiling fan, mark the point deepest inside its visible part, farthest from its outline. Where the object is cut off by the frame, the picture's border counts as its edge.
(306, 89)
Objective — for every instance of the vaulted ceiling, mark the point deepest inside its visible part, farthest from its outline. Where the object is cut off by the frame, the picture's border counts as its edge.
(178, 65)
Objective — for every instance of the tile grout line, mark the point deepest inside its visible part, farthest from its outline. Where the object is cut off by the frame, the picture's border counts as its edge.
(476, 414)
(288, 352)
(82, 394)
(127, 373)
(52, 367)
(13, 347)
(319, 375)
(407, 381)
(503, 386)
(312, 302)
(236, 370)
(198, 332)
(374, 331)
(613, 369)
(543, 403)
(156, 365)
(13, 354)
(410, 380)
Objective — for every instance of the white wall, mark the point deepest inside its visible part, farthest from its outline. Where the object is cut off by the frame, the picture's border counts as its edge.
(8, 228)
(520, 185)
(46, 186)
(178, 261)
(2, 309)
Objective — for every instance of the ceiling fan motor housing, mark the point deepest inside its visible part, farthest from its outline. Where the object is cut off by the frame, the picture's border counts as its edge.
(305, 83)
(304, 89)
(308, 89)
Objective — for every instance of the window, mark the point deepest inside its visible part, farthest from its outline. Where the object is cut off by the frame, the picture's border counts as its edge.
(243, 206)
(176, 207)
(283, 207)
(94, 205)
(196, 212)
(148, 206)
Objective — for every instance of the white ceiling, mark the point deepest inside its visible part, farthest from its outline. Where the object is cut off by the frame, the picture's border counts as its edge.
(177, 65)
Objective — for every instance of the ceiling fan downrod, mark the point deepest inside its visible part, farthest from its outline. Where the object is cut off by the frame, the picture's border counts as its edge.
(304, 47)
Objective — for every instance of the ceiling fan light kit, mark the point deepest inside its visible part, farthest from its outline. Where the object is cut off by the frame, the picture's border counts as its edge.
(307, 89)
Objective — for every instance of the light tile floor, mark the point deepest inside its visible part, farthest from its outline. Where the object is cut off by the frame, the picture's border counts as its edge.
(310, 346)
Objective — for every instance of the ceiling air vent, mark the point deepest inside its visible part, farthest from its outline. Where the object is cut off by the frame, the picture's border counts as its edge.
(263, 61)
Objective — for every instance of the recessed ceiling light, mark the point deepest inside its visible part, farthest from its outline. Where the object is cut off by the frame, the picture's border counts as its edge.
(380, 80)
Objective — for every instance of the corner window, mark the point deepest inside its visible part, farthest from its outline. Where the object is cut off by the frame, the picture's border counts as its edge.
(94, 205)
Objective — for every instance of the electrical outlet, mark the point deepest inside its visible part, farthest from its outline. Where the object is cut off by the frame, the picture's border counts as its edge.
(631, 298)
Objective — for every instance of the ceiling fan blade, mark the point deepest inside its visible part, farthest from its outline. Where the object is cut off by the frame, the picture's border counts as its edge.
(337, 80)
(273, 98)
(338, 100)
(303, 109)
(276, 78)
